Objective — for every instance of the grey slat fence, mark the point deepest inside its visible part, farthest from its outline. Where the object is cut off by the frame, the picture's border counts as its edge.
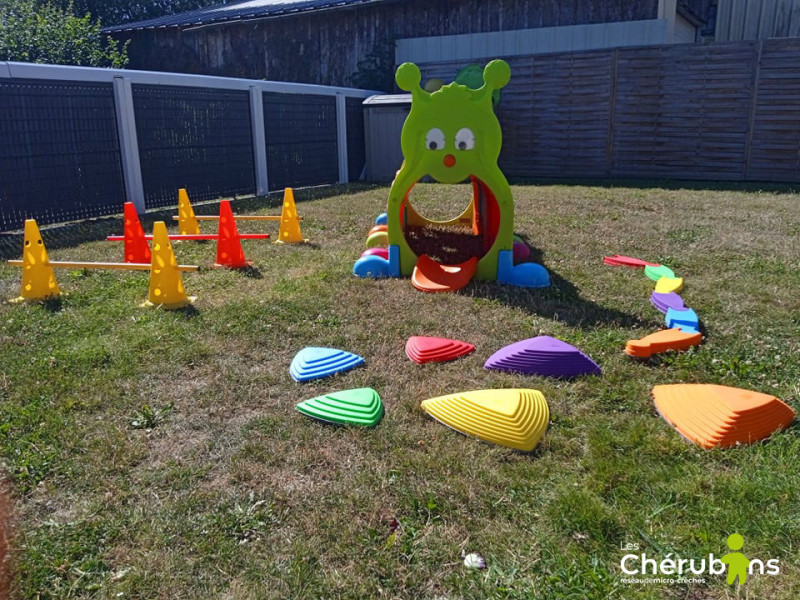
(722, 111)
(77, 142)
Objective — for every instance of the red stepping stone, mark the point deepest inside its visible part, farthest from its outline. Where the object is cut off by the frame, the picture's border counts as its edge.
(626, 261)
(422, 349)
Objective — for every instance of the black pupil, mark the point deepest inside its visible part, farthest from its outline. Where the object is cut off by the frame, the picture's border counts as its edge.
(432, 145)
(462, 145)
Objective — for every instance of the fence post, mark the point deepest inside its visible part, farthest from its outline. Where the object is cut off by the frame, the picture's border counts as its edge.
(128, 142)
(612, 110)
(341, 137)
(259, 140)
(751, 120)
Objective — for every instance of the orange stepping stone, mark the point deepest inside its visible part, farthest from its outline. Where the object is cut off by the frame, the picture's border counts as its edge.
(662, 341)
(721, 416)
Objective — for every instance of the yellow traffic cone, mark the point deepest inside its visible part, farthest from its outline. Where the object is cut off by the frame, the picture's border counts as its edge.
(290, 222)
(187, 222)
(166, 284)
(38, 278)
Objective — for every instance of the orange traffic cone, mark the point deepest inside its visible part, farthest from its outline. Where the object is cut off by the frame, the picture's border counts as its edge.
(38, 278)
(136, 248)
(230, 253)
(166, 284)
(187, 222)
(290, 223)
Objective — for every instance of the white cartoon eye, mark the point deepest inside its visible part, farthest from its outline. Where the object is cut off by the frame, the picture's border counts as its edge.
(465, 139)
(434, 139)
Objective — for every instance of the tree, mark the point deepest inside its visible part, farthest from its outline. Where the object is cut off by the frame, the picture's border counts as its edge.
(113, 12)
(32, 31)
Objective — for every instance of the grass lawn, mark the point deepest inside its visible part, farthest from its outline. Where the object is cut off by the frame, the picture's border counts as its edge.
(156, 454)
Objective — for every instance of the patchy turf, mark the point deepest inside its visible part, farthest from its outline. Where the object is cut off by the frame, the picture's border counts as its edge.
(157, 454)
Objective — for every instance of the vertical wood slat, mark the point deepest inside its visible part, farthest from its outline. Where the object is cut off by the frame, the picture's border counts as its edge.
(723, 26)
(752, 19)
(757, 19)
(783, 17)
(794, 22)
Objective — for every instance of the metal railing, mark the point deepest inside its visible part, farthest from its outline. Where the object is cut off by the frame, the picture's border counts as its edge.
(75, 142)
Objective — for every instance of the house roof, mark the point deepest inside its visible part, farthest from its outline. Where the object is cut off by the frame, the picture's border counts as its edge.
(238, 11)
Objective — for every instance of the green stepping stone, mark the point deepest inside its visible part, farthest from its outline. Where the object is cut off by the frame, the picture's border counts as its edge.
(361, 406)
(656, 273)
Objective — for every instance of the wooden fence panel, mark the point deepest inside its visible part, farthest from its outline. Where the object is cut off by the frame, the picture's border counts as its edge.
(558, 122)
(775, 149)
(724, 111)
(683, 114)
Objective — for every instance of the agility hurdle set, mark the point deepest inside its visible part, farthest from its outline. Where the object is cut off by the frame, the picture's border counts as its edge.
(166, 285)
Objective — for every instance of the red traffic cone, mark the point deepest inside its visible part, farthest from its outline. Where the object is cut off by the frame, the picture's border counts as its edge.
(136, 248)
(230, 253)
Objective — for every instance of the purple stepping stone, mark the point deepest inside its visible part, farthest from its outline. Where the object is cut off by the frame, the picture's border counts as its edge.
(664, 302)
(544, 356)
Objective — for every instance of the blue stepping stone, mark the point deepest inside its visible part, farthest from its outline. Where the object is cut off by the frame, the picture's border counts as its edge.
(372, 266)
(530, 275)
(316, 363)
(686, 329)
(683, 319)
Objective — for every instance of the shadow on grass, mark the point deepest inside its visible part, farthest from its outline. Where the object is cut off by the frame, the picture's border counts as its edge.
(53, 305)
(189, 311)
(561, 301)
(251, 272)
(665, 184)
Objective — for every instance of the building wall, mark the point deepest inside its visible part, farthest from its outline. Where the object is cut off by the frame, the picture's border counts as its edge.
(757, 19)
(685, 31)
(354, 46)
(541, 40)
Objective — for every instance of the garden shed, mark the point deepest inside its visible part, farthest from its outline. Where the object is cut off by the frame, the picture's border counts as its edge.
(384, 116)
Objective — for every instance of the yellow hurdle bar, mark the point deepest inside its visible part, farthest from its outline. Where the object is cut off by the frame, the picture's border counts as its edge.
(236, 217)
(103, 265)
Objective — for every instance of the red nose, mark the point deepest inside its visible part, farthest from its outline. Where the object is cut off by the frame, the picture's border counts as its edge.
(449, 160)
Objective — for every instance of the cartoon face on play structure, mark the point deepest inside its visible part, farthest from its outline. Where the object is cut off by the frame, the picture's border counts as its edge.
(453, 133)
